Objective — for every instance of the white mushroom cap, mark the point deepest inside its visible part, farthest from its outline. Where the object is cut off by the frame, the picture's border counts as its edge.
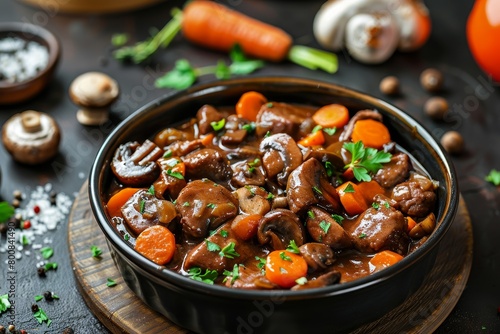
(31, 137)
(407, 28)
(94, 90)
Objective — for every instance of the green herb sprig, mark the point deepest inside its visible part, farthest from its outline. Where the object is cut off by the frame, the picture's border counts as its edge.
(209, 276)
(365, 160)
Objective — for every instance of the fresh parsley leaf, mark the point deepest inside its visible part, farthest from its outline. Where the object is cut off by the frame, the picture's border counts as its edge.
(301, 281)
(6, 211)
(181, 77)
(24, 240)
(224, 233)
(212, 246)
(293, 248)
(96, 251)
(167, 154)
(250, 127)
(229, 251)
(269, 105)
(151, 190)
(387, 205)
(311, 214)
(338, 219)
(41, 317)
(365, 160)
(38, 298)
(262, 262)
(219, 125)
(222, 71)
(50, 266)
(177, 175)
(349, 188)
(241, 65)
(126, 237)
(325, 226)
(375, 205)
(209, 276)
(47, 252)
(317, 190)
(211, 205)
(270, 196)
(119, 39)
(186, 204)
(142, 206)
(285, 257)
(110, 282)
(362, 235)
(330, 131)
(234, 274)
(4, 303)
(493, 177)
(329, 168)
(316, 128)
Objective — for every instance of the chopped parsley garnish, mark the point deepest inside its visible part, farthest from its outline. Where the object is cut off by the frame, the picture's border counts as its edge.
(142, 206)
(38, 298)
(251, 190)
(24, 240)
(293, 248)
(96, 251)
(268, 133)
(349, 188)
(41, 317)
(234, 274)
(262, 262)
(386, 204)
(330, 131)
(362, 235)
(119, 39)
(209, 276)
(4, 303)
(219, 125)
(493, 177)
(375, 205)
(285, 257)
(212, 246)
(6, 211)
(269, 105)
(301, 281)
(224, 233)
(177, 175)
(229, 251)
(167, 154)
(365, 160)
(270, 196)
(110, 282)
(316, 128)
(211, 205)
(172, 162)
(338, 219)
(325, 226)
(317, 190)
(329, 168)
(151, 190)
(186, 204)
(311, 214)
(253, 164)
(50, 266)
(126, 237)
(47, 252)
(250, 127)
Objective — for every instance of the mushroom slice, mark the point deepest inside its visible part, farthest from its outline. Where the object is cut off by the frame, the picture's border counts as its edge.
(252, 200)
(143, 210)
(279, 227)
(281, 156)
(134, 165)
(248, 172)
(308, 185)
(330, 278)
(424, 228)
(317, 255)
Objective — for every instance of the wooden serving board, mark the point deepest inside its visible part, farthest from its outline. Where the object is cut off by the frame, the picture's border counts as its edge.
(121, 311)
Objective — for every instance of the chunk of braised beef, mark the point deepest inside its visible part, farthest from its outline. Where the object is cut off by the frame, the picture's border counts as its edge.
(248, 172)
(143, 210)
(203, 206)
(362, 114)
(278, 117)
(327, 279)
(233, 137)
(379, 229)
(168, 186)
(415, 197)
(183, 147)
(281, 156)
(308, 185)
(253, 200)
(171, 135)
(395, 171)
(325, 229)
(213, 253)
(279, 227)
(207, 163)
(205, 116)
(317, 255)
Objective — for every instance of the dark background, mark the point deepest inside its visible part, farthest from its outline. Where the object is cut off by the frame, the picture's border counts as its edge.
(86, 46)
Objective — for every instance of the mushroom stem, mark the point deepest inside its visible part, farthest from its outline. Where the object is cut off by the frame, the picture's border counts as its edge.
(30, 121)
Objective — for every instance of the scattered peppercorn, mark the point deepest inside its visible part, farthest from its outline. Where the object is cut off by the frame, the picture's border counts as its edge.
(2, 329)
(436, 107)
(68, 330)
(12, 328)
(40, 271)
(431, 80)
(34, 308)
(389, 85)
(16, 203)
(453, 142)
(17, 194)
(48, 296)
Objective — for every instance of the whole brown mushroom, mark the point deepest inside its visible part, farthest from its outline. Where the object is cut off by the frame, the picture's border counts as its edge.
(31, 137)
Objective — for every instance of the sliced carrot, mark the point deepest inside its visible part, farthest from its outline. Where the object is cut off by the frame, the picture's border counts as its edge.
(313, 139)
(249, 104)
(156, 243)
(245, 227)
(370, 189)
(411, 223)
(383, 260)
(371, 133)
(116, 201)
(352, 198)
(332, 115)
(215, 26)
(284, 268)
(207, 140)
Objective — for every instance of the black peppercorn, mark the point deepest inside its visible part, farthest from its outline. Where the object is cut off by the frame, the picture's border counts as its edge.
(34, 308)
(40, 271)
(48, 296)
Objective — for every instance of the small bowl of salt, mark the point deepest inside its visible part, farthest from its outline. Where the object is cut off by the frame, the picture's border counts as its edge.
(28, 58)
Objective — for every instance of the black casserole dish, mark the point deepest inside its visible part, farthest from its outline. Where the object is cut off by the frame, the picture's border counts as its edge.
(217, 309)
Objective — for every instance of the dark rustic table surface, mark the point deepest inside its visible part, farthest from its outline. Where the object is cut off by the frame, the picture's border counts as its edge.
(85, 39)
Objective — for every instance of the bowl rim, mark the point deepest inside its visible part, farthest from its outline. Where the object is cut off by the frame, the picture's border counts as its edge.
(167, 276)
(53, 47)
